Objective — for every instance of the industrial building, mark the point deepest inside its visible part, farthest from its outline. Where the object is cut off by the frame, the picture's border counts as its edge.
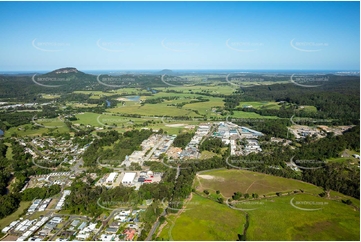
(111, 178)
(128, 178)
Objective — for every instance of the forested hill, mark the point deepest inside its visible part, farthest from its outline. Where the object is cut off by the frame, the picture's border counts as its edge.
(339, 98)
(27, 88)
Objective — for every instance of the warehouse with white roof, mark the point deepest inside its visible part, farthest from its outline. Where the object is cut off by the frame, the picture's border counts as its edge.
(111, 178)
(128, 178)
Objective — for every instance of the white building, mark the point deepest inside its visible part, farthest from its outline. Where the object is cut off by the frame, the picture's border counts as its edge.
(128, 178)
(111, 177)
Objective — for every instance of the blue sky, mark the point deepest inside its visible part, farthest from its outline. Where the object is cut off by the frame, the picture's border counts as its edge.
(179, 35)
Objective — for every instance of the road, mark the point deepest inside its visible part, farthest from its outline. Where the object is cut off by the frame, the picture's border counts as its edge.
(76, 167)
(154, 228)
(154, 148)
(156, 224)
(71, 218)
(207, 135)
(102, 226)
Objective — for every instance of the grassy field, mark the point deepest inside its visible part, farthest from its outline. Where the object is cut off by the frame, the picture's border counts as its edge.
(9, 151)
(14, 216)
(204, 220)
(212, 89)
(309, 109)
(277, 219)
(159, 109)
(98, 120)
(230, 181)
(241, 114)
(121, 91)
(80, 105)
(54, 122)
(296, 216)
(347, 157)
(207, 154)
(259, 105)
(20, 130)
(205, 108)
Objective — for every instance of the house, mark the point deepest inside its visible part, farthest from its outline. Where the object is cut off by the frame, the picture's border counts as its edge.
(120, 218)
(67, 233)
(82, 226)
(56, 220)
(111, 230)
(75, 223)
(106, 237)
(114, 225)
(129, 234)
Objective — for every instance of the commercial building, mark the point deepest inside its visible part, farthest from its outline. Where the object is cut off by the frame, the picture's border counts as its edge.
(128, 178)
(111, 178)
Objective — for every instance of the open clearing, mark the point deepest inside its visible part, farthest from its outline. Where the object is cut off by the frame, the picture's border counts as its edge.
(204, 220)
(279, 220)
(259, 105)
(230, 181)
(242, 114)
(293, 216)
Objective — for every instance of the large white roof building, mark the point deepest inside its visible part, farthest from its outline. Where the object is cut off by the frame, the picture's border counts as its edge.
(111, 177)
(129, 178)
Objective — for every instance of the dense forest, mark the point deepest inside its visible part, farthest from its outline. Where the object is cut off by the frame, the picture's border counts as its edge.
(182, 140)
(123, 145)
(338, 99)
